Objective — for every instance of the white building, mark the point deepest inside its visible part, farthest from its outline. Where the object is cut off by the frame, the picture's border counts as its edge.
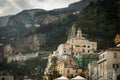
(93, 70)
(22, 57)
(63, 51)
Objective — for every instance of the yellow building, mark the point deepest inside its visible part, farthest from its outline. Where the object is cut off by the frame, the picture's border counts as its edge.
(117, 39)
(68, 67)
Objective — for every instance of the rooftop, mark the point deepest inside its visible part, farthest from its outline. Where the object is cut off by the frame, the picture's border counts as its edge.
(114, 49)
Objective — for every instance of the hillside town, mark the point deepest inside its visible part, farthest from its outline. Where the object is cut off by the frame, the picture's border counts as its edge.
(76, 59)
(79, 57)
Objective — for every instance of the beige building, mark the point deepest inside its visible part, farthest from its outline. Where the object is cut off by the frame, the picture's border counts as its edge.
(6, 76)
(82, 45)
(109, 64)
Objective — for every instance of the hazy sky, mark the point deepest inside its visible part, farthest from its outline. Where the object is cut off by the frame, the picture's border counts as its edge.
(8, 7)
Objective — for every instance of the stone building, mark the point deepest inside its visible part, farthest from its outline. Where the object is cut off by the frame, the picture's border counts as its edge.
(109, 64)
(82, 45)
(68, 68)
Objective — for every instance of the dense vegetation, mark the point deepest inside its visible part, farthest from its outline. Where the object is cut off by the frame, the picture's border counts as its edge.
(99, 22)
(59, 33)
(33, 68)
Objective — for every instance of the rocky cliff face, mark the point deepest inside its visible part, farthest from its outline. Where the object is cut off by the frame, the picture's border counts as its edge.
(29, 44)
(27, 30)
(4, 20)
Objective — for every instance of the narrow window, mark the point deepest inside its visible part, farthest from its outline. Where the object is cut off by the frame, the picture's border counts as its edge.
(88, 51)
(88, 46)
(113, 65)
(115, 55)
(84, 46)
(76, 71)
(103, 56)
(68, 71)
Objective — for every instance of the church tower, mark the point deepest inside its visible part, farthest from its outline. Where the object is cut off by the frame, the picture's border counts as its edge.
(79, 33)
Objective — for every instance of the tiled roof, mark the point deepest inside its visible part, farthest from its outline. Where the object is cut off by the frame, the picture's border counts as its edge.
(114, 49)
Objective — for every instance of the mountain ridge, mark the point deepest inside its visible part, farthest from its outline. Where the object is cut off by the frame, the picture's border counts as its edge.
(35, 21)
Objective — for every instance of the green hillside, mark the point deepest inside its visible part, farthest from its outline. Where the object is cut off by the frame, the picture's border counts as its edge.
(99, 22)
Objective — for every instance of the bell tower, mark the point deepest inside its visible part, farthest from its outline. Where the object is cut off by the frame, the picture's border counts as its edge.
(79, 33)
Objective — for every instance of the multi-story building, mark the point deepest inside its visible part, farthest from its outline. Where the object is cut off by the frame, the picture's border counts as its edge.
(82, 45)
(68, 68)
(109, 64)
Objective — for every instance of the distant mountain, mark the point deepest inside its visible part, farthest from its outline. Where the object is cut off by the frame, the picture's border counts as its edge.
(48, 29)
(34, 22)
(24, 17)
(27, 16)
(4, 20)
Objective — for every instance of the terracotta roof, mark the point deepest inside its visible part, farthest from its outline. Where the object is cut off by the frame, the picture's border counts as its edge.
(114, 49)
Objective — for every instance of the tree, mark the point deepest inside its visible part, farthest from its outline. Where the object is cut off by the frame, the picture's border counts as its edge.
(53, 73)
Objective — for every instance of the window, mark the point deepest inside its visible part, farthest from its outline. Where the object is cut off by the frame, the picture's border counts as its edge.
(64, 51)
(115, 66)
(77, 45)
(88, 51)
(115, 55)
(103, 56)
(100, 58)
(76, 54)
(84, 46)
(68, 71)
(88, 46)
(76, 71)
